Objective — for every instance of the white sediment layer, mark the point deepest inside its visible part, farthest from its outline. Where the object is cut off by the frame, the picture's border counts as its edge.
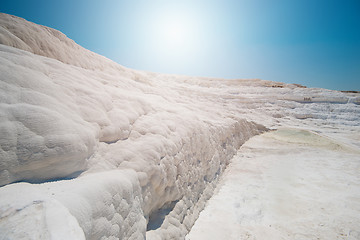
(287, 184)
(92, 150)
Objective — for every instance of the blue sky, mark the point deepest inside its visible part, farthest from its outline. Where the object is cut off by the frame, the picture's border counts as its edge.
(311, 42)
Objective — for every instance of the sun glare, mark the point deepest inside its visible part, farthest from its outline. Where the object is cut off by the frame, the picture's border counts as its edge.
(176, 36)
(174, 33)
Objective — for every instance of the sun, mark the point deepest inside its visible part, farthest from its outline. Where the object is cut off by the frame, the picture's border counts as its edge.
(174, 36)
(174, 33)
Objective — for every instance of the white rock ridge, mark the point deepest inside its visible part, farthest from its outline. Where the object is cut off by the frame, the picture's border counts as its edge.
(124, 154)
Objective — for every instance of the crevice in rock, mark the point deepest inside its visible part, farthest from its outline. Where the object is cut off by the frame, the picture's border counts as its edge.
(157, 218)
(40, 181)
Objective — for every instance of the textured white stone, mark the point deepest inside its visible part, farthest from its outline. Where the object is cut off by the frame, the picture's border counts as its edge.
(111, 150)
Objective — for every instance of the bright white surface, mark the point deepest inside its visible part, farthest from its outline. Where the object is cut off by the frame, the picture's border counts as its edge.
(119, 148)
(287, 184)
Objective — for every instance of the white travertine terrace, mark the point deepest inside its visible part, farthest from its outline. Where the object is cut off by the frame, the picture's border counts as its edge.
(90, 149)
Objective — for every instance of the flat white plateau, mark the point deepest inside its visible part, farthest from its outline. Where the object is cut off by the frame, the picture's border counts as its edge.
(286, 184)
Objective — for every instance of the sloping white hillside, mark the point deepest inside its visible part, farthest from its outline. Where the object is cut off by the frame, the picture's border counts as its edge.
(91, 149)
